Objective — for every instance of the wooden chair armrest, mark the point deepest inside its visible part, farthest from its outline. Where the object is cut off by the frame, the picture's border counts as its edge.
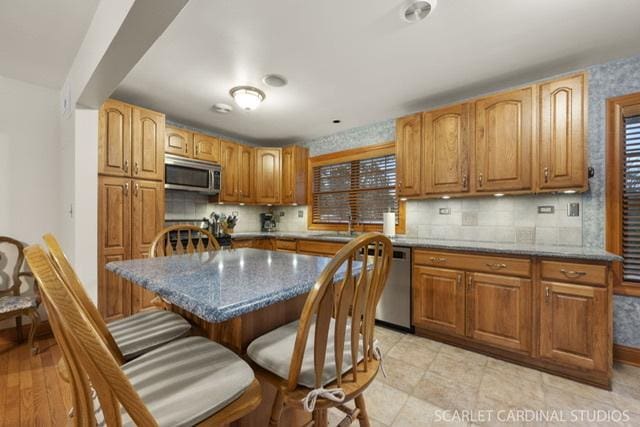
(36, 291)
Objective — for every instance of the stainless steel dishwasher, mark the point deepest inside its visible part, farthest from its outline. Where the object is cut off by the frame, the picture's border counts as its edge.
(394, 308)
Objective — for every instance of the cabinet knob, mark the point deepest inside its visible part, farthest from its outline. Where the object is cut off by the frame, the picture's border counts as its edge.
(126, 189)
(464, 181)
(546, 175)
(480, 178)
(136, 188)
(496, 266)
(572, 273)
(126, 166)
(135, 168)
(547, 292)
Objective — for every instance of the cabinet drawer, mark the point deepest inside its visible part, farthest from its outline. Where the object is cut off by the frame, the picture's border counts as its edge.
(286, 245)
(479, 263)
(588, 274)
(317, 247)
(246, 243)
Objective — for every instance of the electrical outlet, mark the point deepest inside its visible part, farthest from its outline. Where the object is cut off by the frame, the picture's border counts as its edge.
(281, 213)
(549, 209)
(445, 211)
(573, 209)
(300, 213)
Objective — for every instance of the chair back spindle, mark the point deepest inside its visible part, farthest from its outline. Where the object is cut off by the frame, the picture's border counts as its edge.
(197, 241)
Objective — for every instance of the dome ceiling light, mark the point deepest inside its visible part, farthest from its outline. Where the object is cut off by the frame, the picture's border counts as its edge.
(247, 97)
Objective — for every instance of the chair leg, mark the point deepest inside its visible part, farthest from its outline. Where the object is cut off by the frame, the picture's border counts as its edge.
(277, 408)
(320, 418)
(19, 336)
(363, 417)
(35, 322)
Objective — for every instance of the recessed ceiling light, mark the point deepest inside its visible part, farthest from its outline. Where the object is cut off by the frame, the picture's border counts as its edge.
(222, 108)
(498, 195)
(446, 197)
(274, 80)
(336, 121)
(418, 10)
(247, 97)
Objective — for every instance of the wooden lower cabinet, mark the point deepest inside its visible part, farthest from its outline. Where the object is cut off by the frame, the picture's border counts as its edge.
(499, 310)
(439, 299)
(574, 326)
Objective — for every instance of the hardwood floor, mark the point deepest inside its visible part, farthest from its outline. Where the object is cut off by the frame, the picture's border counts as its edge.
(31, 391)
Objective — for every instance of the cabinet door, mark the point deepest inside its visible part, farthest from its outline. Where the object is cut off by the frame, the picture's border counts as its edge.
(206, 148)
(446, 150)
(294, 175)
(114, 139)
(229, 163)
(409, 154)
(503, 141)
(245, 174)
(574, 325)
(147, 213)
(562, 134)
(499, 311)
(267, 179)
(114, 215)
(178, 142)
(147, 140)
(438, 300)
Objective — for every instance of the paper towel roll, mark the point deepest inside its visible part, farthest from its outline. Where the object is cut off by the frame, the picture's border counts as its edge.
(389, 224)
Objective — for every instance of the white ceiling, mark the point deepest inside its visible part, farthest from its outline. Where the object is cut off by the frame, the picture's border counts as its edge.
(359, 62)
(40, 38)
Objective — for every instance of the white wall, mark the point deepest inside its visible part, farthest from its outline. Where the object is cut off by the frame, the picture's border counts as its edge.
(29, 169)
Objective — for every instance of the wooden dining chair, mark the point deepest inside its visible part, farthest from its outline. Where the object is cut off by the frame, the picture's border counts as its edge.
(197, 240)
(12, 303)
(329, 356)
(190, 381)
(126, 338)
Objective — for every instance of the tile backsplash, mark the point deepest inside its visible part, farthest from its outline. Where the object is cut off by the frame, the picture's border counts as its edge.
(509, 219)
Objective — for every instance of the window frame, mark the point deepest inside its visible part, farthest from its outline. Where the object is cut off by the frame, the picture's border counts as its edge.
(362, 153)
(618, 109)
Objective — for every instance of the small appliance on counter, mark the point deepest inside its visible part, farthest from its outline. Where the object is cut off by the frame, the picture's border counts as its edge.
(267, 222)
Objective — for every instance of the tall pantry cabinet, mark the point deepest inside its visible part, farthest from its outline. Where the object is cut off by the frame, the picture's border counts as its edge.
(130, 199)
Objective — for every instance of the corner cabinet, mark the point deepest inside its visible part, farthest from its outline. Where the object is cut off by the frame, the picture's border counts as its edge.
(294, 175)
(446, 150)
(267, 177)
(562, 121)
(408, 155)
(503, 139)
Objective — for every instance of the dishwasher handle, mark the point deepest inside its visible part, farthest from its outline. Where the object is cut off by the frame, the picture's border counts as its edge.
(398, 254)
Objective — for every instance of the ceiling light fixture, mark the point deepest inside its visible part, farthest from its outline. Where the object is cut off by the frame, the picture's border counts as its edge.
(274, 80)
(247, 97)
(498, 195)
(418, 10)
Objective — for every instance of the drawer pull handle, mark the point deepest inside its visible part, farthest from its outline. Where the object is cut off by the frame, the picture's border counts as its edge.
(572, 273)
(546, 292)
(496, 266)
(437, 259)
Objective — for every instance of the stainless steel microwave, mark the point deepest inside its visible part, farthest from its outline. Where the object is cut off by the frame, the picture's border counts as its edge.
(191, 175)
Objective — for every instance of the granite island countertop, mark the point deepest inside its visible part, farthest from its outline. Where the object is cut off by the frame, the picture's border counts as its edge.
(221, 285)
(567, 252)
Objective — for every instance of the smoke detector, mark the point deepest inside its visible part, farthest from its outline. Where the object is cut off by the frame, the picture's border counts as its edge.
(222, 108)
(418, 10)
(274, 80)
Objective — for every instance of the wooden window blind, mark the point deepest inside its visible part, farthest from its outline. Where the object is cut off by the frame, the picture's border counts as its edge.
(631, 200)
(362, 189)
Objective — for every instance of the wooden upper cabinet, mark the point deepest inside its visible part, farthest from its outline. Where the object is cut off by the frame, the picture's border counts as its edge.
(246, 164)
(574, 325)
(206, 148)
(114, 244)
(114, 139)
(503, 138)
(438, 297)
(178, 141)
(147, 217)
(499, 311)
(409, 154)
(446, 150)
(561, 162)
(229, 162)
(147, 141)
(294, 175)
(267, 177)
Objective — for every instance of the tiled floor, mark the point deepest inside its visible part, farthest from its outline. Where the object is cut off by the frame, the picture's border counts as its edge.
(426, 377)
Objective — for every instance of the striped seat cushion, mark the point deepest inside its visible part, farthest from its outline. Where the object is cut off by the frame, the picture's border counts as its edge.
(188, 380)
(273, 352)
(147, 330)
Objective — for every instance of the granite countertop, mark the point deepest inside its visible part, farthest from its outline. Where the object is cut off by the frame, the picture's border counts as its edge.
(221, 285)
(569, 252)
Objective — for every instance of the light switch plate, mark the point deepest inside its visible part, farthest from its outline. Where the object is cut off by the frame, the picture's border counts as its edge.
(445, 211)
(281, 213)
(300, 213)
(573, 209)
(548, 209)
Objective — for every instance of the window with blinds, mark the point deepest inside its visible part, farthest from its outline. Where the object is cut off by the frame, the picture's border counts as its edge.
(360, 189)
(631, 200)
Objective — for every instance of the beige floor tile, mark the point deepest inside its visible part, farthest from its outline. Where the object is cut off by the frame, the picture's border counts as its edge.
(512, 390)
(514, 370)
(384, 402)
(490, 412)
(400, 375)
(418, 413)
(586, 391)
(626, 374)
(447, 366)
(388, 338)
(446, 392)
(468, 357)
(415, 351)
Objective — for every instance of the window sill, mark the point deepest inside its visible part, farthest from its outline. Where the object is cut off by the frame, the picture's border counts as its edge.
(628, 290)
